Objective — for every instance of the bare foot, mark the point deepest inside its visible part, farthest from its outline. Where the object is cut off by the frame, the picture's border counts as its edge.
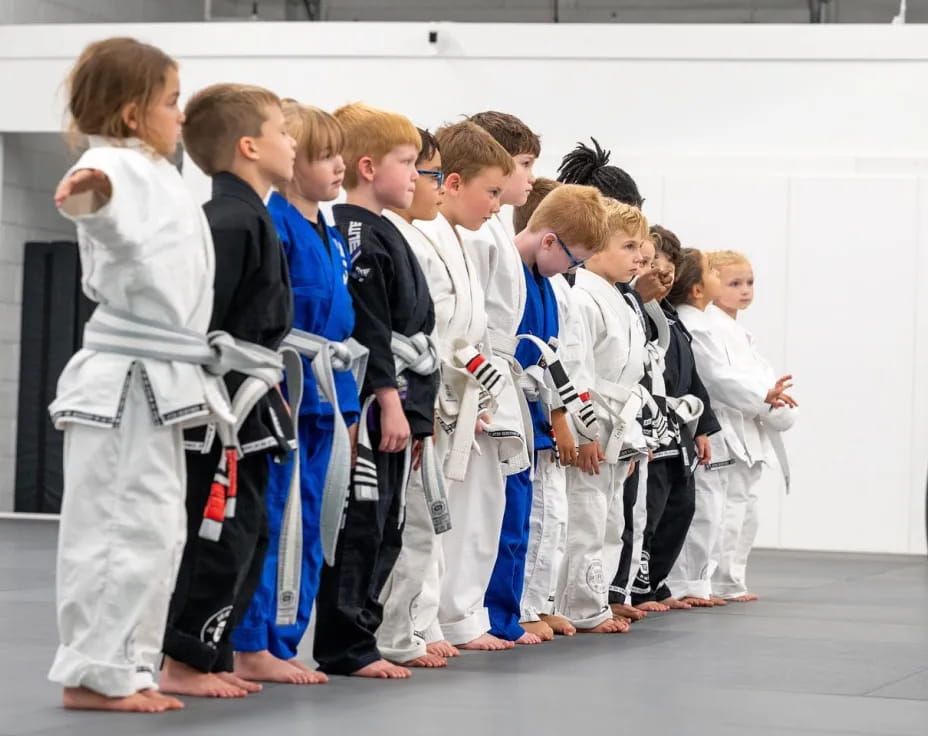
(539, 628)
(181, 679)
(673, 603)
(384, 670)
(233, 679)
(265, 667)
(559, 625)
(612, 626)
(165, 700)
(652, 606)
(442, 649)
(528, 639)
(629, 612)
(716, 601)
(320, 678)
(80, 698)
(746, 598)
(487, 643)
(697, 602)
(626, 621)
(430, 661)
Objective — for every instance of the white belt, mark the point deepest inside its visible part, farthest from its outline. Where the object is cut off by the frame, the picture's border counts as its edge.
(607, 394)
(327, 357)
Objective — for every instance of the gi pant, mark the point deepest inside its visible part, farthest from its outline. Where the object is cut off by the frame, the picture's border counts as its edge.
(635, 506)
(410, 597)
(583, 592)
(477, 506)
(692, 572)
(217, 579)
(739, 528)
(348, 609)
(120, 541)
(546, 538)
(671, 503)
(258, 629)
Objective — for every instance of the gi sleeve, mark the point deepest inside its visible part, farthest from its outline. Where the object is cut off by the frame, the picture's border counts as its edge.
(707, 424)
(738, 389)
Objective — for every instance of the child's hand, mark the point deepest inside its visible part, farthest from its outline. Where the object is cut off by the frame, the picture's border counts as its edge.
(83, 180)
(589, 457)
(775, 395)
(483, 419)
(703, 449)
(566, 446)
(394, 427)
(631, 468)
(353, 440)
(417, 454)
(649, 286)
(789, 401)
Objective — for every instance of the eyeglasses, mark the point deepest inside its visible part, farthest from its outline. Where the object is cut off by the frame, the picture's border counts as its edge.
(575, 262)
(436, 174)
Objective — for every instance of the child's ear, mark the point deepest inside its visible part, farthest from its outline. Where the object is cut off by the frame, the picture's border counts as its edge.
(130, 116)
(696, 292)
(248, 149)
(366, 168)
(452, 182)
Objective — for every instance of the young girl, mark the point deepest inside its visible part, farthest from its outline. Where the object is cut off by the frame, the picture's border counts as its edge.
(318, 263)
(147, 260)
(740, 392)
(740, 523)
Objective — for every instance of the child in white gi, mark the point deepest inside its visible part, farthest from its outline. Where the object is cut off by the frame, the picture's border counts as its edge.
(147, 260)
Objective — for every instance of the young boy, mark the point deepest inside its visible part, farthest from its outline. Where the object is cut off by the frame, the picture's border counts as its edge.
(318, 263)
(394, 318)
(237, 134)
(409, 634)
(566, 228)
(616, 366)
(475, 387)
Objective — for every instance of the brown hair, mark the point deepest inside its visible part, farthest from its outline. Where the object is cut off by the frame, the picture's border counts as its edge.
(218, 117)
(429, 146)
(540, 189)
(576, 214)
(109, 75)
(467, 149)
(510, 132)
(372, 132)
(668, 243)
(688, 274)
(621, 217)
(316, 132)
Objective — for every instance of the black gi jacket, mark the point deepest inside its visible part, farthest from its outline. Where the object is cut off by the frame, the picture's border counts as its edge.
(252, 300)
(681, 378)
(390, 294)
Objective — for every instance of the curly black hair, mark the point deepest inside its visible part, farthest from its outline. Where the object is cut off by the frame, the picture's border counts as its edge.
(589, 166)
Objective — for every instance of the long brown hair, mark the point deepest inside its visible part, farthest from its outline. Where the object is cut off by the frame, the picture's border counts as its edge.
(689, 273)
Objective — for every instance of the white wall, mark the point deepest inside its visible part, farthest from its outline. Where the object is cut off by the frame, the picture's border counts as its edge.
(803, 146)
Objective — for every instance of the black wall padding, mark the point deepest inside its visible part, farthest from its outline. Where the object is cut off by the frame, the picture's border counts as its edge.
(53, 316)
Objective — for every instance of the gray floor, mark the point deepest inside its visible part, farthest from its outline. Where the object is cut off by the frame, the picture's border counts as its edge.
(838, 645)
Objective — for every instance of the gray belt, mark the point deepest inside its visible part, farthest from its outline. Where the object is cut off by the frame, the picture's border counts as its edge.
(327, 357)
(115, 331)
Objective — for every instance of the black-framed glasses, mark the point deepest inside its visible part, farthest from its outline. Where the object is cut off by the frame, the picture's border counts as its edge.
(436, 174)
(575, 262)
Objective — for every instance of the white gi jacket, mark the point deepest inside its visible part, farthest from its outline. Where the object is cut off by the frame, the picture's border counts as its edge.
(148, 252)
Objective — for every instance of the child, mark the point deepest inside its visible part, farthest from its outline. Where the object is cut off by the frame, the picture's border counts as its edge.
(409, 634)
(236, 134)
(392, 310)
(567, 227)
(671, 491)
(616, 367)
(145, 251)
(318, 264)
(738, 380)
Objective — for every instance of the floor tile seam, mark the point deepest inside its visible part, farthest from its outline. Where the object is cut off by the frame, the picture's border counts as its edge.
(920, 671)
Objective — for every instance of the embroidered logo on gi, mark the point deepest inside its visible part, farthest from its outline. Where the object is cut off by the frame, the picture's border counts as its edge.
(354, 240)
(595, 578)
(360, 274)
(211, 633)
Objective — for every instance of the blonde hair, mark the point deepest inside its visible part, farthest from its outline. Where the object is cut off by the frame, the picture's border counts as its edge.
(467, 149)
(317, 133)
(109, 75)
(540, 189)
(372, 132)
(576, 214)
(624, 218)
(220, 115)
(719, 259)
